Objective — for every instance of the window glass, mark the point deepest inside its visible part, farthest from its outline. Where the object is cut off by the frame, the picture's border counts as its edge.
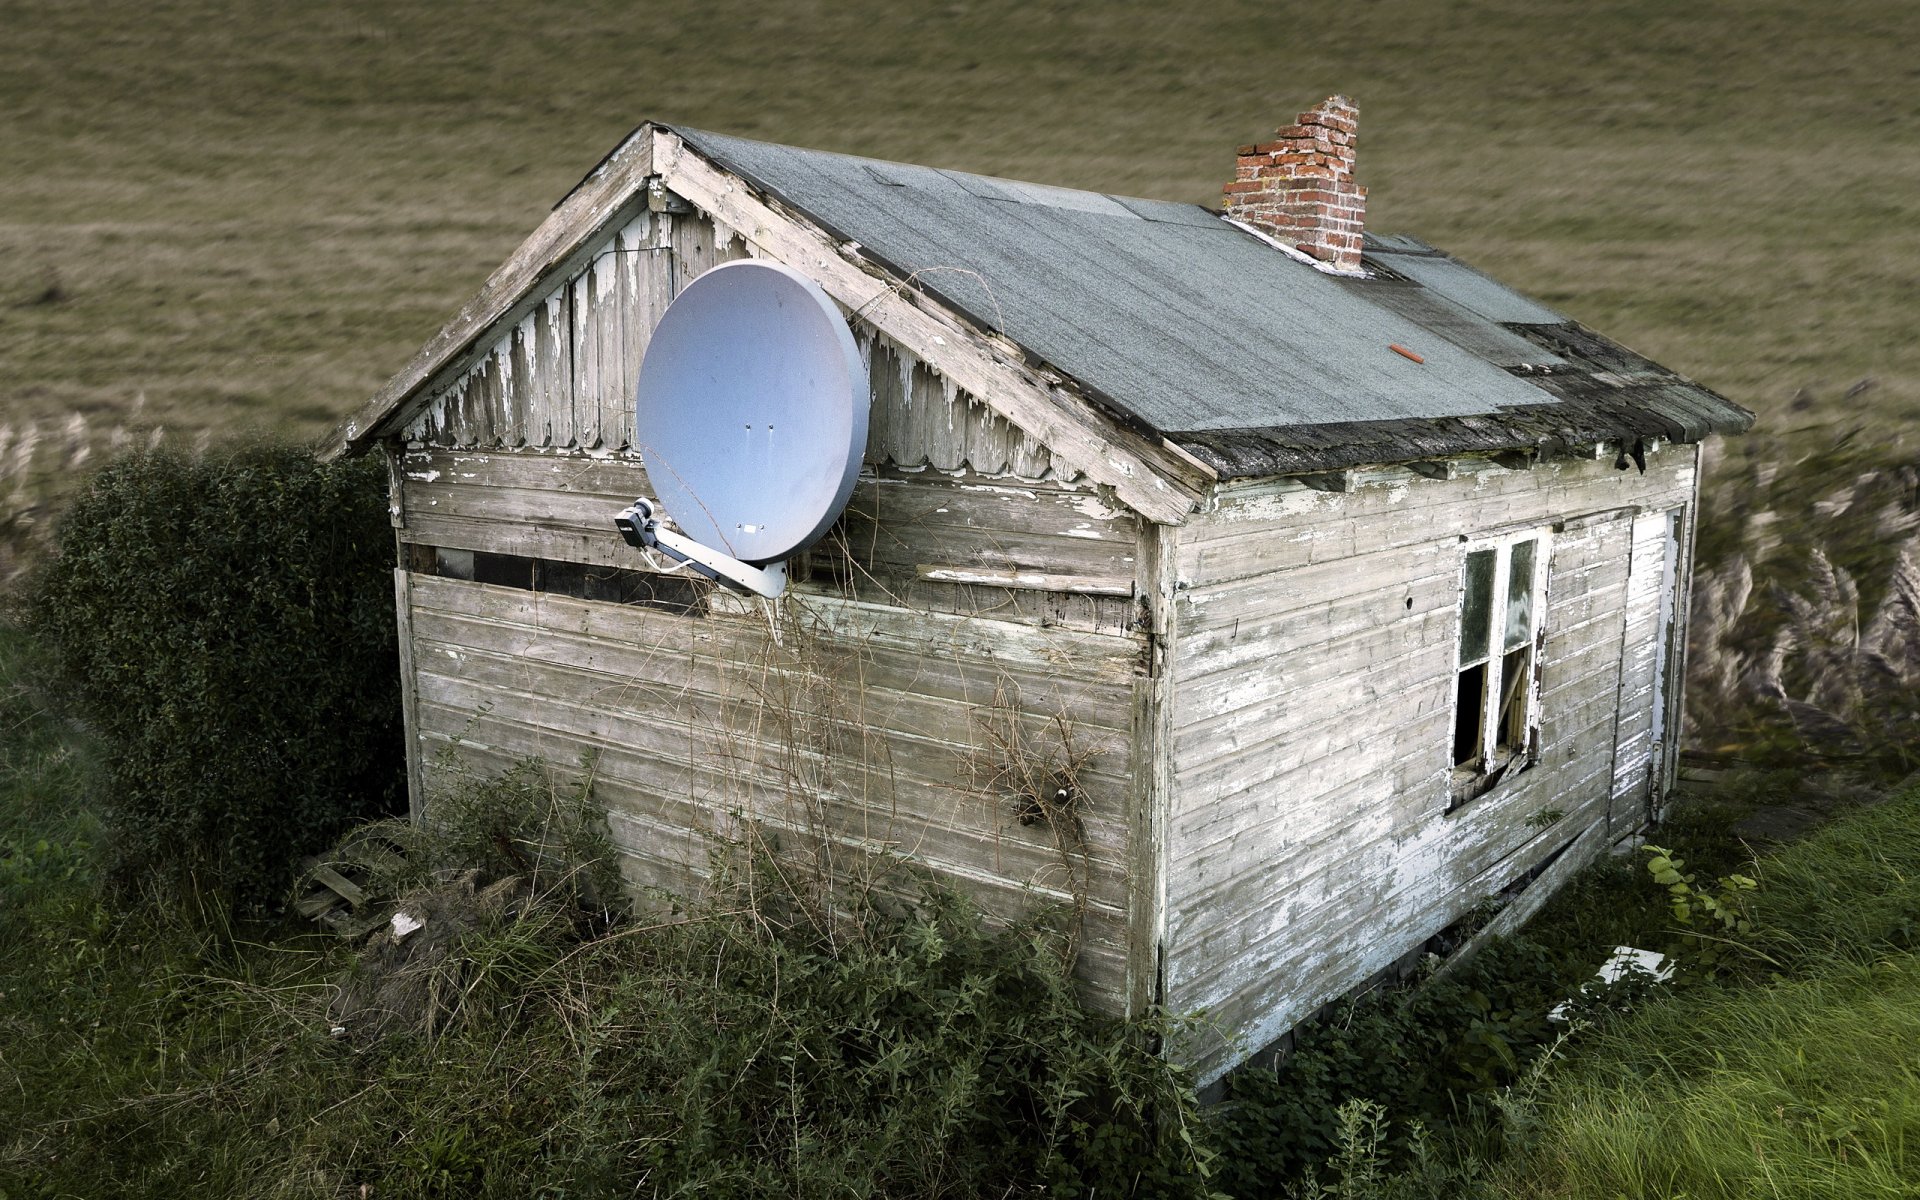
(1476, 606)
(1510, 731)
(1519, 596)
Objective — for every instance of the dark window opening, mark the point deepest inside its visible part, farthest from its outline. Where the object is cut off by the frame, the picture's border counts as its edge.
(503, 570)
(1466, 715)
(1494, 717)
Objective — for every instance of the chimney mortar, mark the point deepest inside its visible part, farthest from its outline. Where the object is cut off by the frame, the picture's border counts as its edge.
(1299, 187)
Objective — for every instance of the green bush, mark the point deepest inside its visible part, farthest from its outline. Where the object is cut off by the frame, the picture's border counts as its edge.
(730, 1046)
(1420, 1052)
(225, 623)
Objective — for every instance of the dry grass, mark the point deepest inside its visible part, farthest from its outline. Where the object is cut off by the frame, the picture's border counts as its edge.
(1805, 635)
(252, 217)
(216, 220)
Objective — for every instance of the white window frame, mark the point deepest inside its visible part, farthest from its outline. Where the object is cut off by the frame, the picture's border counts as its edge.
(1488, 767)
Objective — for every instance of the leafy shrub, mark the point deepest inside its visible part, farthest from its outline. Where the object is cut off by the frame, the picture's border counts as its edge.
(1420, 1051)
(1362, 1166)
(716, 1049)
(226, 624)
(1713, 920)
(754, 1043)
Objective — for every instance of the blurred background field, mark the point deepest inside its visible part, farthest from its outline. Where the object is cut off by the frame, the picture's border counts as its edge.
(221, 215)
(218, 218)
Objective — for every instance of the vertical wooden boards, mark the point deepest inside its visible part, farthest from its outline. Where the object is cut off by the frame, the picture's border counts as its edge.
(548, 398)
(409, 677)
(921, 418)
(1638, 760)
(646, 288)
(1309, 842)
(616, 303)
(565, 375)
(519, 393)
(1152, 796)
(1678, 637)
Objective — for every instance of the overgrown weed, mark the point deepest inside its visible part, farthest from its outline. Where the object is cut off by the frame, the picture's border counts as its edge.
(729, 1046)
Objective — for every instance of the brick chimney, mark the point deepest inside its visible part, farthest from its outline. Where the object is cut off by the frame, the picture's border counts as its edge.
(1299, 188)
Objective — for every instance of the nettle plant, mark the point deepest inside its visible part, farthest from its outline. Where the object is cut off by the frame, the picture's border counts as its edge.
(1713, 918)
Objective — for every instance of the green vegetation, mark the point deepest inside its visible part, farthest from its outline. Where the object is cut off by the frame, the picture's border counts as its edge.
(1782, 1061)
(225, 624)
(1809, 1087)
(523, 1042)
(1798, 1077)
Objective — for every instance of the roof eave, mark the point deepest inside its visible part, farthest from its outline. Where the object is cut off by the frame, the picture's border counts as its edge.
(569, 230)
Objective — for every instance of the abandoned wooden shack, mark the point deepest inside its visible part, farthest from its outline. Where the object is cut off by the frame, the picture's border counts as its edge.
(1264, 592)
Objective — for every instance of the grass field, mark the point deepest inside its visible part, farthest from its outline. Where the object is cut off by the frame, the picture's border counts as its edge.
(248, 214)
(1802, 1081)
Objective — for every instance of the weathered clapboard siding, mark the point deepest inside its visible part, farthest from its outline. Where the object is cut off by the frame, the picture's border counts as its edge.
(935, 540)
(1310, 844)
(863, 725)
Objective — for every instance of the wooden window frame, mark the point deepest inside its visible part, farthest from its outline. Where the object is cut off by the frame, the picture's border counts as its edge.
(1489, 764)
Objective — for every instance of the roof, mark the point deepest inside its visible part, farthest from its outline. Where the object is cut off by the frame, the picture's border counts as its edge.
(1188, 326)
(1190, 348)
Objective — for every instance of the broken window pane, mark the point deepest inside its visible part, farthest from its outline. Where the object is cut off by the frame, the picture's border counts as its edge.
(1476, 606)
(1510, 732)
(1519, 623)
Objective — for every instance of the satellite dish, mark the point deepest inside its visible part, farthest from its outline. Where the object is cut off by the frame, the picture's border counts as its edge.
(751, 414)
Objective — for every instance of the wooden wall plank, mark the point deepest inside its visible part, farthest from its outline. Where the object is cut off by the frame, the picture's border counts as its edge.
(879, 717)
(561, 506)
(1310, 842)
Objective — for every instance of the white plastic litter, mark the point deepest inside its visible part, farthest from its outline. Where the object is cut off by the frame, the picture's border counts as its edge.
(404, 925)
(1624, 960)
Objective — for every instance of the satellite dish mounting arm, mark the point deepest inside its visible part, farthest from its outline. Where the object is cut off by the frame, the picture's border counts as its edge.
(642, 530)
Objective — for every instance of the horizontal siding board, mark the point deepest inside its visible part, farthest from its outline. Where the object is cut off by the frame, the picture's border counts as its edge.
(906, 738)
(1314, 708)
(937, 822)
(862, 723)
(561, 506)
(950, 658)
(1209, 655)
(1329, 685)
(1288, 527)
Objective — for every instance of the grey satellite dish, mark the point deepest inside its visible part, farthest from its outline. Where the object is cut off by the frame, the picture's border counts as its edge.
(751, 415)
